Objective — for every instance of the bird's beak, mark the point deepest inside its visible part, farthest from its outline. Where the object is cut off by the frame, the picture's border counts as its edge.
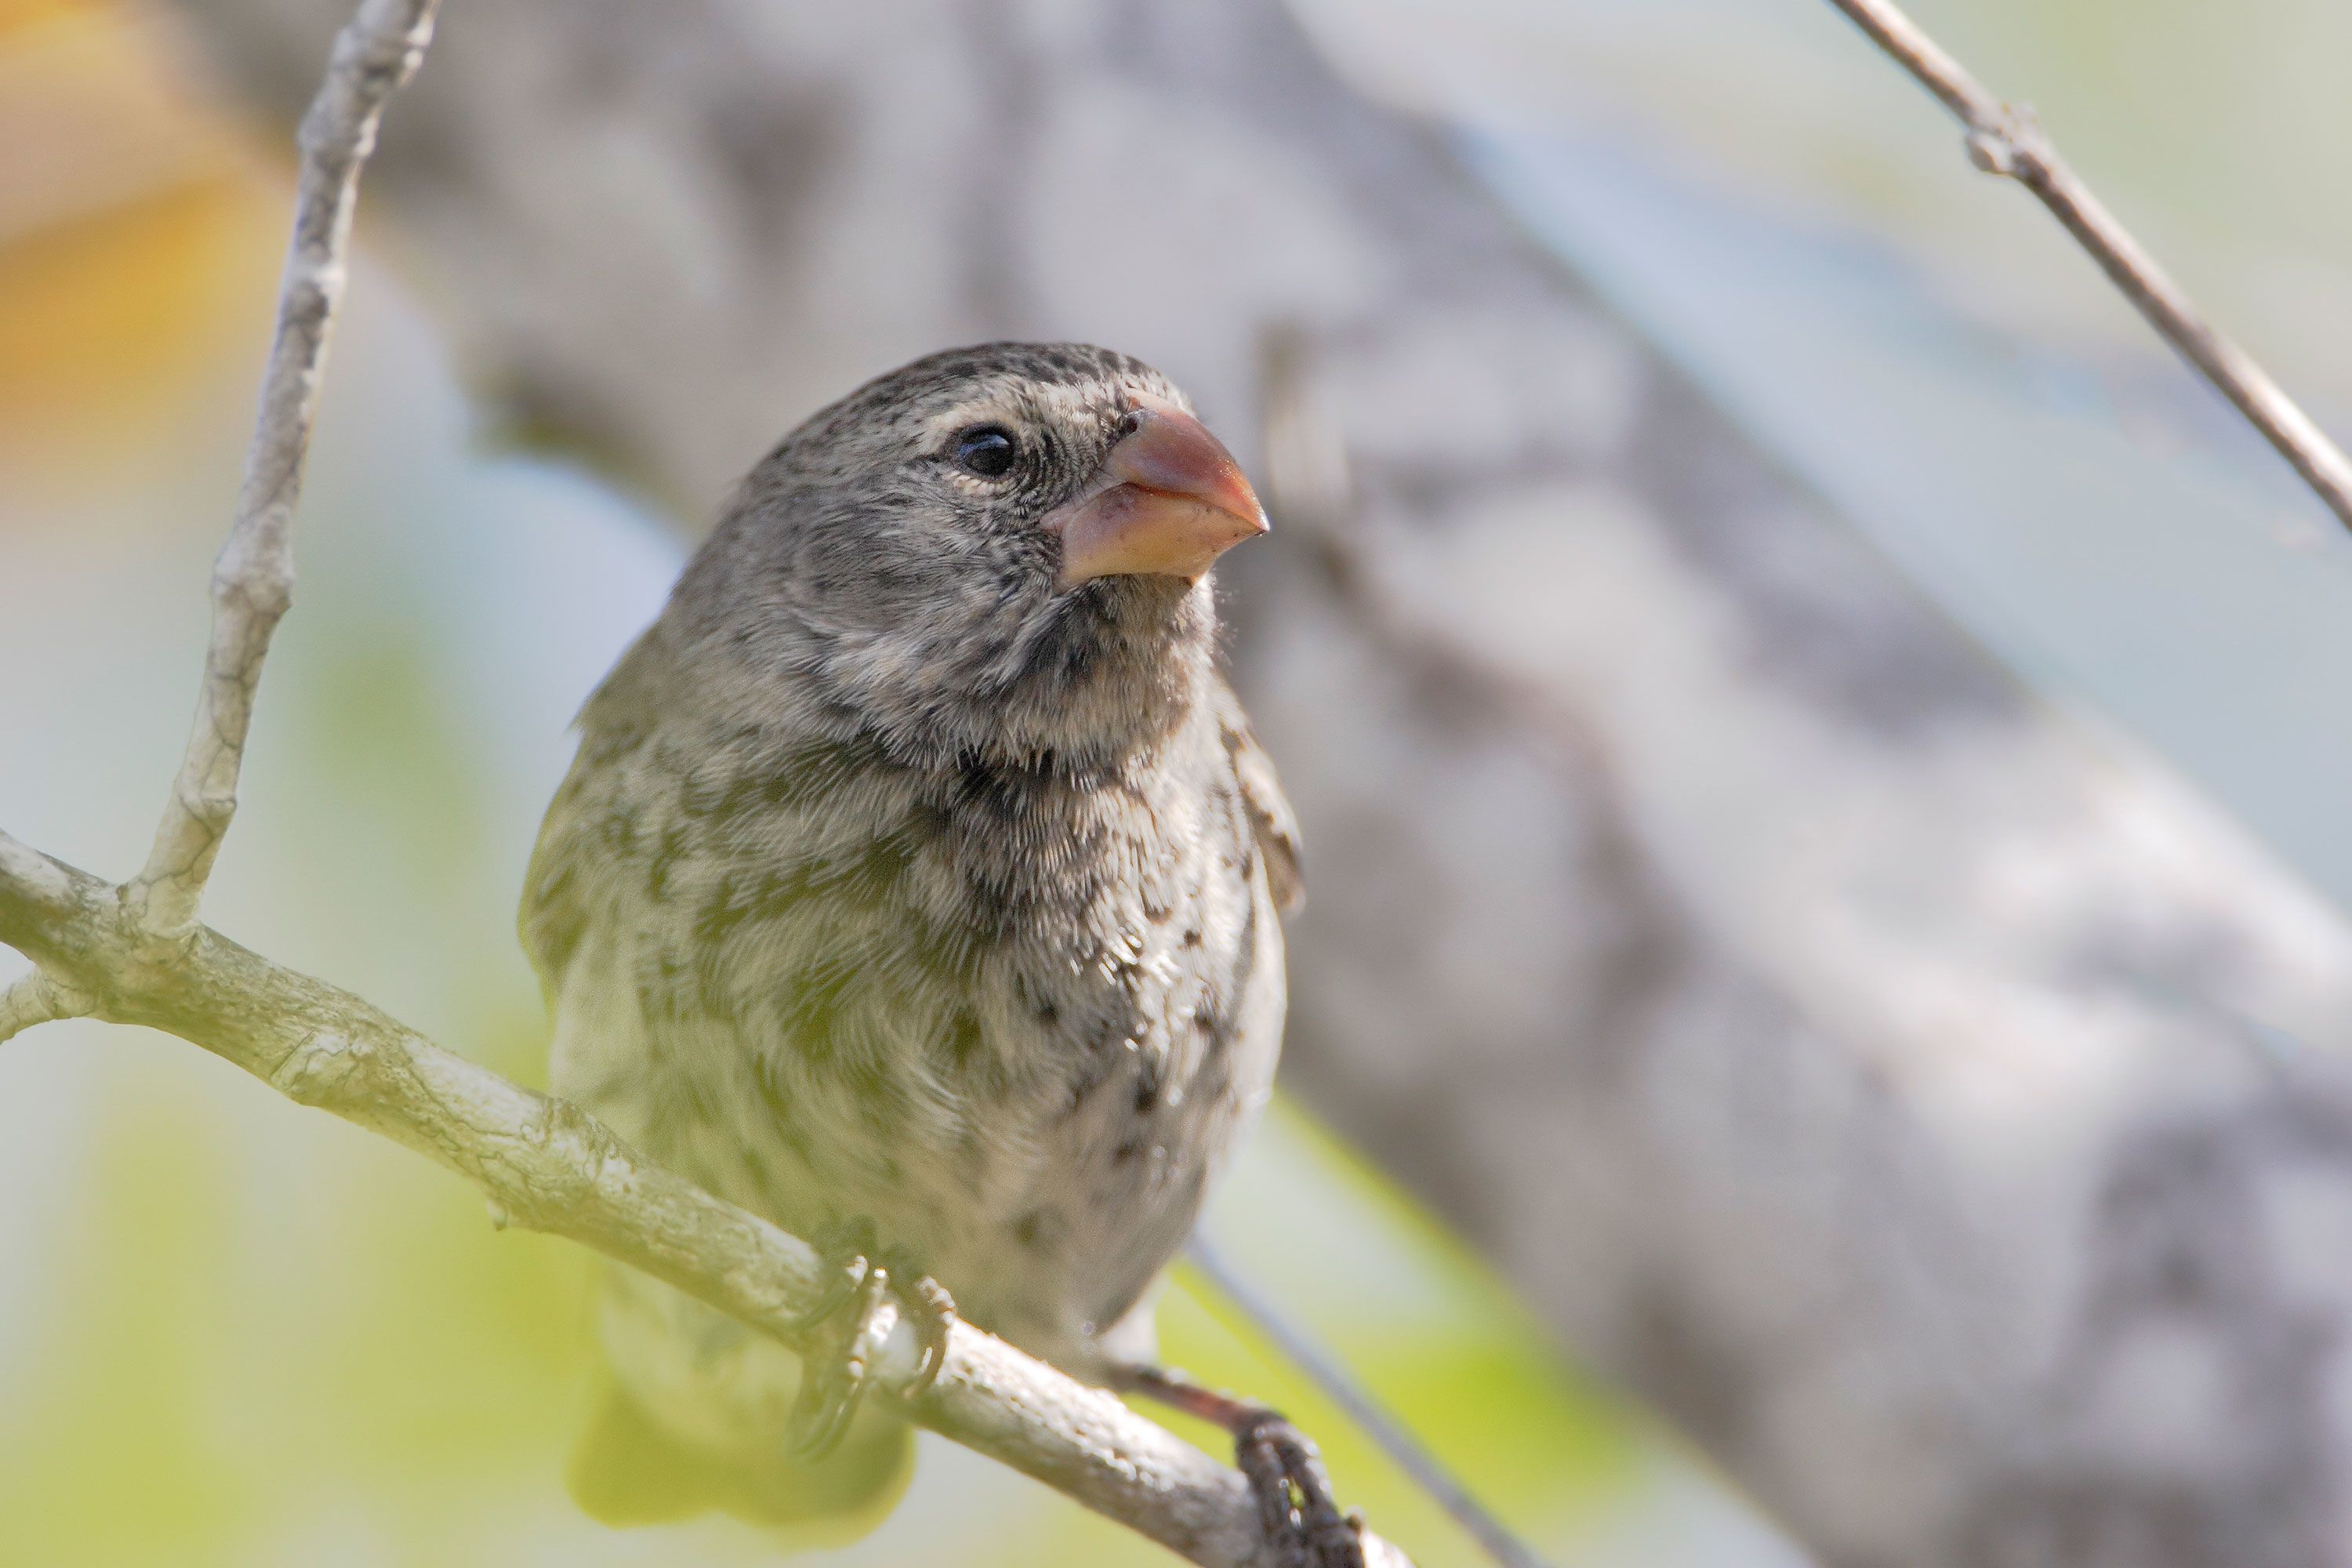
(1168, 501)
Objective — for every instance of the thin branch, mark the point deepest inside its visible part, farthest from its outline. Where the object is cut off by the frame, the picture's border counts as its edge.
(546, 1165)
(1396, 1439)
(2002, 140)
(253, 581)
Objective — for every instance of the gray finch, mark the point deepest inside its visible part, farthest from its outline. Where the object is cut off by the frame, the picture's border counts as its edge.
(919, 874)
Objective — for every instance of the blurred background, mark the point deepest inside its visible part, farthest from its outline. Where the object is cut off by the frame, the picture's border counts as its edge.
(233, 1332)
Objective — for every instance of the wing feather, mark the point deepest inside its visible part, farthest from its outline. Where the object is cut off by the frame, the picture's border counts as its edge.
(1275, 825)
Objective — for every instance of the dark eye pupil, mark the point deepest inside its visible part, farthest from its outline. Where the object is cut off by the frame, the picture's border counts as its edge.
(988, 451)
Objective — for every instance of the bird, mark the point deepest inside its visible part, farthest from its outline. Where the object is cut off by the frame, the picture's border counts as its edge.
(918, 885)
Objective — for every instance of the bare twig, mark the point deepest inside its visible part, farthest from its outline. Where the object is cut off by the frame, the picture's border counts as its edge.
(546, 1165)
(253, 581)
(2005, 140)
(136, 953)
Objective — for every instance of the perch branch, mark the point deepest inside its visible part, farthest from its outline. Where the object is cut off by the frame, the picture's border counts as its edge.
(548, 1166)
(136, 953)
(2006, 140)
(253, 581)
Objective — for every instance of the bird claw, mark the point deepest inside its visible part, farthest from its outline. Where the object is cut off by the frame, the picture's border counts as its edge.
(834, 1380)
(934, 1312)
(1303, 1523)
(1304, 1527)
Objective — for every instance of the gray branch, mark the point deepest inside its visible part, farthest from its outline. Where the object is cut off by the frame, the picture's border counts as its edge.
(253, 581)
(546, 1165)
(2009, 142)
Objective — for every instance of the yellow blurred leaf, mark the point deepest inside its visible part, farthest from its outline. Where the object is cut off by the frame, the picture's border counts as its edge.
(134, 245)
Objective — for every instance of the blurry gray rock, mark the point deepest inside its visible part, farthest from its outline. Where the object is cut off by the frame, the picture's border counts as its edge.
(1833, 1043)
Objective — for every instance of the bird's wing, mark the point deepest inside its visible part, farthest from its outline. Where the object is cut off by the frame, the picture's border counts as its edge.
(1275, 825)
(614, 722)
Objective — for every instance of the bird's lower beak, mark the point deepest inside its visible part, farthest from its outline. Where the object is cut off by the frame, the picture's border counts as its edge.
(1169, 501)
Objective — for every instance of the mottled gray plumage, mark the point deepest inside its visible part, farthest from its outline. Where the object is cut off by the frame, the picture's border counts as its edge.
(893, 883)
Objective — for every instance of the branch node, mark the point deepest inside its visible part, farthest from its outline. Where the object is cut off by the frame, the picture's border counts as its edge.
(1993, 151)
(2007, 140)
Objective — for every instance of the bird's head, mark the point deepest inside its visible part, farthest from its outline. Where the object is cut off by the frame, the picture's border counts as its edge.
(1003, 549)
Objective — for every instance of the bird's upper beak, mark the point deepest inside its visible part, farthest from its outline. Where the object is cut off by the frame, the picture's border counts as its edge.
(1168, 501)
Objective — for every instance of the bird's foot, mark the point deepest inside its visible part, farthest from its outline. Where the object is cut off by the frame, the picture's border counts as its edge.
(1294, 1496)
(1303, 1524)
(834, 1376)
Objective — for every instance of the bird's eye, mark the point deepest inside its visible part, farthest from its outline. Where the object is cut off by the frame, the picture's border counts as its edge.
(988, 450)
